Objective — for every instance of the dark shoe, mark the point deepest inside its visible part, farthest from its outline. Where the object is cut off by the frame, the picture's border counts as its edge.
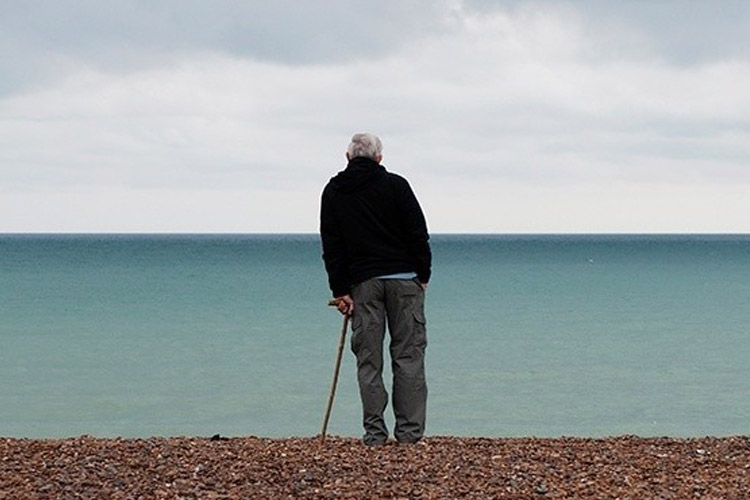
(371, 440)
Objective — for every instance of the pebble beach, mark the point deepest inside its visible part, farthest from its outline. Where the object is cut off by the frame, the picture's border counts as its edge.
(625, 467)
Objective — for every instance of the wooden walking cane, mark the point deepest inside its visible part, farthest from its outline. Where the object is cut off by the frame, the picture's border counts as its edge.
(336, 368)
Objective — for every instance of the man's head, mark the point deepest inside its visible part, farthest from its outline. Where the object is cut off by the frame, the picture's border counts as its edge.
(365, 145)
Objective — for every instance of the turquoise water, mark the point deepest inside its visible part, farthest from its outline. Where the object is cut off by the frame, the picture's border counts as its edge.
(140, 335)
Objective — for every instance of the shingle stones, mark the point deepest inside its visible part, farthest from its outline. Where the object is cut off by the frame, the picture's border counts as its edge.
(436, 468)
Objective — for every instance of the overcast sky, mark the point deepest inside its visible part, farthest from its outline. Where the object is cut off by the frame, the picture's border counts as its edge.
(506, 116)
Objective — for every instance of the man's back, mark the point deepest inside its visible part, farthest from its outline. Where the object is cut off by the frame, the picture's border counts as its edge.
(377, 255)
(375, 215)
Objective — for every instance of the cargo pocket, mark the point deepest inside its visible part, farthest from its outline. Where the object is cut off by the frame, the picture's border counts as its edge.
(419, 316)
(420, 328)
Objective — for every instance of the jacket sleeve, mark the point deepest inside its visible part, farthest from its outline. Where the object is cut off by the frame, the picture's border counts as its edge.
(334, 249)
(415, 230)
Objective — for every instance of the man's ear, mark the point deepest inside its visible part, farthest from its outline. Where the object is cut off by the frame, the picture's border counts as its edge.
(347, 156)
(378, 158)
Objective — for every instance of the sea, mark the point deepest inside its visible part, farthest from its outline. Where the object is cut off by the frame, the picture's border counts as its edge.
(130, 335)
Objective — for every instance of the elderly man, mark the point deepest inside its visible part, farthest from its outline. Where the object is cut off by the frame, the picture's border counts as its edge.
(378, 259)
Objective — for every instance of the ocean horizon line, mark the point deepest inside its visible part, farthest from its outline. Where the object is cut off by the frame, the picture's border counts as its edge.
(308, 233)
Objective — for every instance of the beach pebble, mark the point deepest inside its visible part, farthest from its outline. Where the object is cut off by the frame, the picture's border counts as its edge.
(440, 467)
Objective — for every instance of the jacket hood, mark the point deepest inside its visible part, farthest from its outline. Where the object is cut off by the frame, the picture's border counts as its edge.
(359, 173)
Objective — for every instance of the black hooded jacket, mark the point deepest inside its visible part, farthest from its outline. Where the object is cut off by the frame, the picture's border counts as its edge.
(371, 225)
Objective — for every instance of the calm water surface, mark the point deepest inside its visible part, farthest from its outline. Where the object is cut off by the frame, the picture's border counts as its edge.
(140, 335)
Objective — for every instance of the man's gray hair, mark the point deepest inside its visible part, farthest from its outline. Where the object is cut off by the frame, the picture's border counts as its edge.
(365, 144)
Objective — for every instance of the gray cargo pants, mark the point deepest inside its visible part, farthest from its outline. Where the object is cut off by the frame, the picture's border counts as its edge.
(400, 303)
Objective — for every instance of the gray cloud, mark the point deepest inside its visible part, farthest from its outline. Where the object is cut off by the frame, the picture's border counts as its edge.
(682, 31)
(490, 107)
(677, 31)
(41, 39)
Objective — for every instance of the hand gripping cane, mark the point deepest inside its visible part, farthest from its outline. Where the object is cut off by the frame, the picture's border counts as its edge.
(336, 369)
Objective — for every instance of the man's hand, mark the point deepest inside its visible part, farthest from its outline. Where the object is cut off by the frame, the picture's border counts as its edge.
(345, 304)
